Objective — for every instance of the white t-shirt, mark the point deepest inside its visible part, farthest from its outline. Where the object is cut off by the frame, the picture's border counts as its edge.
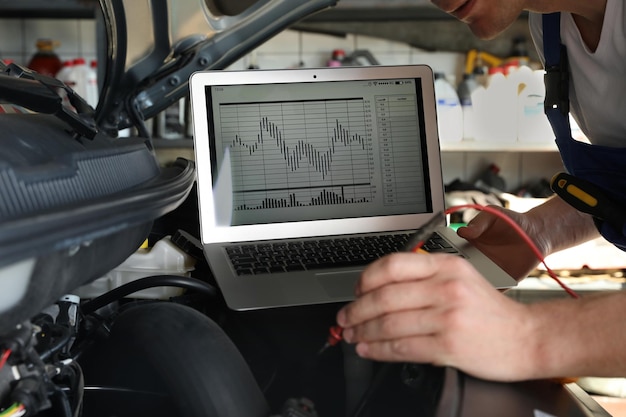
(598, 79)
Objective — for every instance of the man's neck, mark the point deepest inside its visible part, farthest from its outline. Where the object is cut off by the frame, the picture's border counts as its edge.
(588, 15)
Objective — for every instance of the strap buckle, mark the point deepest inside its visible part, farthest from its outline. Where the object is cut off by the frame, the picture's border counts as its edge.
(556, 81)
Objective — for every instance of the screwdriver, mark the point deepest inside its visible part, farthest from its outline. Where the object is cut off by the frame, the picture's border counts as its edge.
(588, 198)
(414, 244)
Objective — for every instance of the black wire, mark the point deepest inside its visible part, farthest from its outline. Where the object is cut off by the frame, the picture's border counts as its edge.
(148, 282)
(137, 120)
(62, 407)
(77, 387)
(62, 338)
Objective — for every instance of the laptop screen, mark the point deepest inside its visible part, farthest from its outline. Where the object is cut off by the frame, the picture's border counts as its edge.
(286, 153)
(318, 150)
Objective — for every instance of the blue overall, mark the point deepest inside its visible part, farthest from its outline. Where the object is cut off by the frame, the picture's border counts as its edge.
(603, 166)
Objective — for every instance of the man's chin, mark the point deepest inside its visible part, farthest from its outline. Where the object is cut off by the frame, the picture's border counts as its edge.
(485, 33)
(490, 26)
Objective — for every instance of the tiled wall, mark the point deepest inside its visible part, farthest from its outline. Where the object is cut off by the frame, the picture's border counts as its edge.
(77, 38)
(292, 49)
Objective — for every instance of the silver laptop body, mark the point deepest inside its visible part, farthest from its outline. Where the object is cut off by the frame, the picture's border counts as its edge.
(286, 157)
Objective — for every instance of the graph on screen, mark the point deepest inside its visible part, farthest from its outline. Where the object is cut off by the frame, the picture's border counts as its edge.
(299, 153)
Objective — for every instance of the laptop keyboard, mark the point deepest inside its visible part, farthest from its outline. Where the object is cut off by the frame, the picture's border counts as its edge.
(286, 256)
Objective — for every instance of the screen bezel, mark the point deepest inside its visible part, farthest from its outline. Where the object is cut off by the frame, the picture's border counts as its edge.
(212, 232)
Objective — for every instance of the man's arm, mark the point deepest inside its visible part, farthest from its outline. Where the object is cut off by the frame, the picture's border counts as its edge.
(584, 337)
(438, 309)
(553, 226)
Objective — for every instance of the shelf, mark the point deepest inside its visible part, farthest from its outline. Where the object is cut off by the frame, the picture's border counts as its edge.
(477, 146)
(49, 9)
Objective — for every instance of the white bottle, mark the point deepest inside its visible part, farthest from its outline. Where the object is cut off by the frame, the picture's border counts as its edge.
(465, 90)
(449, 112)
(64, 75)
(532, 123)
(80, 75)
(64, 72)
(93, 93)
(496, 110)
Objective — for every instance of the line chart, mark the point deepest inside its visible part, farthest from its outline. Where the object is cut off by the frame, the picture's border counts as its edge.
(299, 153)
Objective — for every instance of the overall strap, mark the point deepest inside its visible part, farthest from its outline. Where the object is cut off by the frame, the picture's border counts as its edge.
(557, 68)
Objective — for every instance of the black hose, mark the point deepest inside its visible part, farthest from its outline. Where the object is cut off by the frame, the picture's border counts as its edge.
(184, 354)
(148, 282)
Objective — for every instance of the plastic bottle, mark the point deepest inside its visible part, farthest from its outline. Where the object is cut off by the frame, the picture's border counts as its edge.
(465, 90)
(532, 124)
(45, 61)
(80, 75)
(93, 92)
(77, 78)
(64, 75)
(496, 109)
(449, 112)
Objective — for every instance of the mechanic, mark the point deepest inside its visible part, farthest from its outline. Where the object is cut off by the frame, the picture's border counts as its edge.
(437, 309)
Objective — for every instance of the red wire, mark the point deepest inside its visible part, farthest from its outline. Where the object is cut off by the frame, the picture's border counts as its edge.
(522, 234)
(4, 357)
(335, 332)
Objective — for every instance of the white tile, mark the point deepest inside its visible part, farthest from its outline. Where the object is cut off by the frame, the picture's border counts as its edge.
(314, 60)
(276, 61)
(377, 45)
(451, 63)
(398, 58)
(87, 37)
(287, 41)
(63, 30)
(11, 37)
(322, 43)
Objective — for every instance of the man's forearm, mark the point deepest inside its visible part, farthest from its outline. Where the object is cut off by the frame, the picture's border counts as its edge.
(584, 337)
(558, 226)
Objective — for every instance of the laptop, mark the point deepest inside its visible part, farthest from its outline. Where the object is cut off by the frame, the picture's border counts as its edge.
(319, 161)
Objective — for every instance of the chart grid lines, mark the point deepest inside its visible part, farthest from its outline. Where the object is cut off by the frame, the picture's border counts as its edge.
(308, 152)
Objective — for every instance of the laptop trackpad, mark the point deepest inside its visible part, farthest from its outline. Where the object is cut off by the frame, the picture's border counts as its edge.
(339, 284)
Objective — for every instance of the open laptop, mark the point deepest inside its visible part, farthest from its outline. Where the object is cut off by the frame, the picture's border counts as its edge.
(288, 157)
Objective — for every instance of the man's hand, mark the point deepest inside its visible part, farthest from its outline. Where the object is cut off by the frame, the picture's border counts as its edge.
(500, 242)
(438, 309)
